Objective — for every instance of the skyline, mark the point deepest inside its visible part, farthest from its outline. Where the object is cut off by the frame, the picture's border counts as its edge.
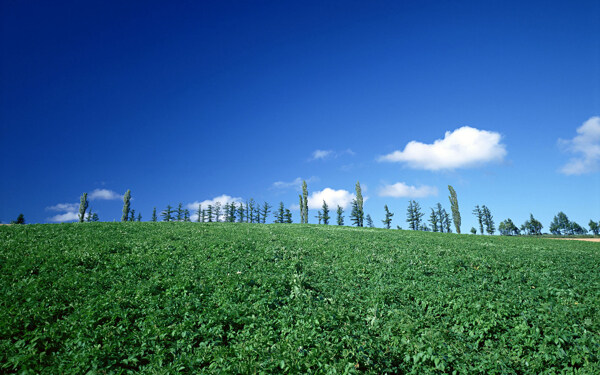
(192, 102)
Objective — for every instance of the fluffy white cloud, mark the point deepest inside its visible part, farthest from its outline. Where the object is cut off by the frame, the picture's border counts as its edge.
(67, 216)
(104, 194)
(461, 148)
(64, 207)
(222, 199)
(333, 198)
(321, 154)
(296, 183)
(587, 145)
(401, 190)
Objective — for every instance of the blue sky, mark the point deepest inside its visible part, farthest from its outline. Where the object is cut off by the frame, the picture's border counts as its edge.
(190, 101)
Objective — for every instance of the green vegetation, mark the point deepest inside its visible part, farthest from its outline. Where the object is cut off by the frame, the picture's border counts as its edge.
(248, 298)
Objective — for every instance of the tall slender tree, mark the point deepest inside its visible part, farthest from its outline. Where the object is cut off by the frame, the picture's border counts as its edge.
(440, 212)
(301, 205)
(199, 213)
(305, 201)
(488, 220)
(154, 214)
(217, 211)
(369, 221)
(433, 220)
(209, 213)
(326, 216)
(359, 204)
(167, 214)
(83, 205)
(414, 215)
(319, 216)
(288, 216)
(340, 215)
(280, 213)
(179, 212)
(388, 217)
(88, 218)
(139, 217)
(186, 215)
(241, 212)
(126, 205)
(132, 215)
(454, 208)
(266, 208)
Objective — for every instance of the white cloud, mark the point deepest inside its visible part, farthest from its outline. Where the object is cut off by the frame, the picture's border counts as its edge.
(64, 207)
(67, 216)
(587, 145)
(401, 190)
(333, 198)
(223, 199)
(321, 154)
(104, 194)
(461, 148)
(296, 183)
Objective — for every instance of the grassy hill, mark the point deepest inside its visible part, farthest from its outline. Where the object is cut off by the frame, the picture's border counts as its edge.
(247, 298)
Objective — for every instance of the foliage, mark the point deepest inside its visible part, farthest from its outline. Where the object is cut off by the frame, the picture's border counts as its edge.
(414, 215)
(388, 217)
(488, 220)
(594, 227)
(325, 213)
(154, 218)
(369, 221)
(219, 298)
(167, 214)
(83, 205)
(358, 213)
(126, 205)
(532, 226)
(508, 228)
(454, 207)
(304, 204)
(20, 219)
(340, 215)
(478, 212)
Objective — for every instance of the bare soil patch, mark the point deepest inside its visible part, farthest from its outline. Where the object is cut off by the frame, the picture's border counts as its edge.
(579, 239)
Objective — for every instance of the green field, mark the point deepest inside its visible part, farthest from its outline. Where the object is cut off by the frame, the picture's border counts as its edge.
(250, 298)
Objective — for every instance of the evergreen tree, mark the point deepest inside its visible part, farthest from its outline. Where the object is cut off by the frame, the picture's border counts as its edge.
(179, 212)
(340, 215)
(388, 217)
(414, 215)
(594, 227)
(83, 205)
(217, 211)
(446, 222)
(226, 213)
(454, 209)
(369, 221)
(241, 212)
(139, 218)
(319, 216)
(266, 208)
(440, 216)
(154, 214)
(132, 215)
(126, 203)
(232, 211)
(167, 214)
(95, 217)
(204, 216)
(488, 220)
(304, 202)
(433, 220)
(326, 216)
(479, 215)
(88, 218)
(199, 213)
(359, 204)
(186, 215)
(279, 214)
(20, 220)
(473, 230)
(288, 216)
(209, 213)
(251, 214)
(301, 205)
(355, 213)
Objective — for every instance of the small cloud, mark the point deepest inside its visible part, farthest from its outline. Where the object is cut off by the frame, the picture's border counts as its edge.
(104, 194)
(64, 207)
(587, 145)
(296, 183)
(67, 216)
(222, 199)
(333, 198)
(402, 190)
(462, 148)
(321, 154)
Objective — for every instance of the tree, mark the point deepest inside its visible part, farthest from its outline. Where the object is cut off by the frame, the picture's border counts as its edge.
(241, 212)
(340, 215)
(83, 205)
(433, 220)
(209, 213)
(414, 215)
(440, 213)
(132, 215)
(359, 204)
(179, 212)
(88, 218)
(280, 213)
(594, 227)
(186, 215)
(154, 214)
(488, 220)
(355, 214)
(126, 202)
(454, 209)
(167, 214)
(532, 226)
(369, 221)
(319, 216)
(560, 224)
(250, 210)
(139, 218)
(217, 211)
(446, 222)
(326, 216)
(288, 216)
(199, 213)
(95, 217)
(388, 217)
(266, 208)
(305, 202)
(473, 230)
(479, 214)
(20, 220)
(577, 229)
(508, 228)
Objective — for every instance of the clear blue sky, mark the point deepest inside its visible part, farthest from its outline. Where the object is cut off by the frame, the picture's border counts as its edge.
(188, 101)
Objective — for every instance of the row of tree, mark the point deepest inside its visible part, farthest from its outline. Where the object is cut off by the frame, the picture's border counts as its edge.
(439, 218)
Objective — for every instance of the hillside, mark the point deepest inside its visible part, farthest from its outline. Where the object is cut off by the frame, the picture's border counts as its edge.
(247, 298)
